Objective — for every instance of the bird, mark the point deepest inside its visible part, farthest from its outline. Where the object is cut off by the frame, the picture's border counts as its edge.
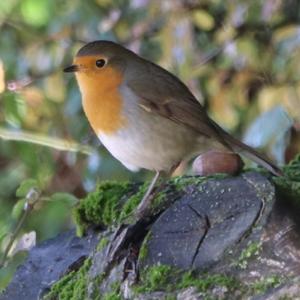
(145, 116)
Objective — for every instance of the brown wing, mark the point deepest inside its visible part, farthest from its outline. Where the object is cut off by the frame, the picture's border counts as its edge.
(162, 93)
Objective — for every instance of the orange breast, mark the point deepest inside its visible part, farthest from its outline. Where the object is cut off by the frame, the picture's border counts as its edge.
(102, 102)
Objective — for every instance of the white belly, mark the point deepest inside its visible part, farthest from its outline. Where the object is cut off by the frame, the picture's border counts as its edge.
(157, 146)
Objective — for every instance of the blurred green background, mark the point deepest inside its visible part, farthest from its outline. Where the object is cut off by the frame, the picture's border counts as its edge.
(240, 58)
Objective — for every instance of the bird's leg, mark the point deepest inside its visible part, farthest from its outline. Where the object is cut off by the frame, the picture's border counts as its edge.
(144, 204)
(152, 191)
(125, 234)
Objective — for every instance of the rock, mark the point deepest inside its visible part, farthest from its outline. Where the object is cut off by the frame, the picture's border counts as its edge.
(240, 240)
(196, 230)
(151, 296)
(190, 293)
(47, 263)
(286, 291)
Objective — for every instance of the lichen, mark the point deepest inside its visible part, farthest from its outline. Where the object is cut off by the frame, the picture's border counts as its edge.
(72, 286)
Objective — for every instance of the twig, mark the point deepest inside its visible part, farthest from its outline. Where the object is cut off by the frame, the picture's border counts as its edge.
(51, 142)
(31, 199)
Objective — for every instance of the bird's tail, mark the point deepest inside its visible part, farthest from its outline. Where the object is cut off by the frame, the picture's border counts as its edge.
(249, 152)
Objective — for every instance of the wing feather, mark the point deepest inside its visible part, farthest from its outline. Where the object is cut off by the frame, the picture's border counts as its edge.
(163, 93)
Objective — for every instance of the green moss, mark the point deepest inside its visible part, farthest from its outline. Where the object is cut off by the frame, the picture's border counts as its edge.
(158, 202)
(102, 244)
(261, 286)
(73, 286)
(114, 294)
(170, 297)
(286, 297)
(253, 249)
(94, 286)
(126, 214)
(101, 207)
(144, 248)
(129, 207)
(156, 278)
(206, 282)
(132, 203)
(289, 184)
(168, 279)
(165, 278)
(181, 182)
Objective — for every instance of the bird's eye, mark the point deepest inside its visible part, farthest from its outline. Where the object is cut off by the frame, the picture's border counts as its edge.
(100, 63)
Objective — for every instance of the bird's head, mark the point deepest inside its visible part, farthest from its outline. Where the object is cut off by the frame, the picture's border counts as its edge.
(100, 63)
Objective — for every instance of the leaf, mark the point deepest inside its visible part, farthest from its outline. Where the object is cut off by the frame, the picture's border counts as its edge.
(36, 13)
(65, 197)
(26, 186)
(263, 133)
(286, 32)
(13, 109)
(25, 243)
(203, 19)
(17, 209)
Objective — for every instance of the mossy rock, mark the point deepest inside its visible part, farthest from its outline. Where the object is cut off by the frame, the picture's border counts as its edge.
(73, 286)
(103, 206)
(113, 203)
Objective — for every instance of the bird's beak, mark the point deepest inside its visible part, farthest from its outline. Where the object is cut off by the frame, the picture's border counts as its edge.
(72, 68)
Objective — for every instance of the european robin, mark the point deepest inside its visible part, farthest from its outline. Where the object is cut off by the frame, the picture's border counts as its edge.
(144, 115)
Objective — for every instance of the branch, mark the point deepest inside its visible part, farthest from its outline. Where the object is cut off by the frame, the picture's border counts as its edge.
(39, 139)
